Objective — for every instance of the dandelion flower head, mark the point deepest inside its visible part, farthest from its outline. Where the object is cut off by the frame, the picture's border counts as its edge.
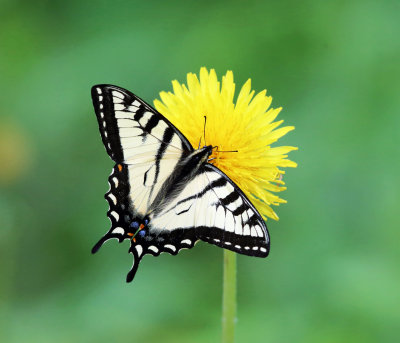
(246, 126)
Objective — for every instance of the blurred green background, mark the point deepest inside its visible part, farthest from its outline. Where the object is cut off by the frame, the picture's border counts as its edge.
(333, 273)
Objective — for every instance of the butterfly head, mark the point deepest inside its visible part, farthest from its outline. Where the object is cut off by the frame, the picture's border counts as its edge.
(201, 155)
(194, 161)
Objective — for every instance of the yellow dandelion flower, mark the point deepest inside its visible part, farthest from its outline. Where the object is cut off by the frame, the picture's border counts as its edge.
(247, 126)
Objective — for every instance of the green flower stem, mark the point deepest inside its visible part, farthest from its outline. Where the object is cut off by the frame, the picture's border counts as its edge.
(229, 297)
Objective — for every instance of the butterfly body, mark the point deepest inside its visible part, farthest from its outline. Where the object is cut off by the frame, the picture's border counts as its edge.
(184, 171)
(164, 195)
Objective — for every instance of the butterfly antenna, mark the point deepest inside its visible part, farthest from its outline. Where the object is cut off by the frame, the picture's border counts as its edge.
(204, 130)
(224, 150)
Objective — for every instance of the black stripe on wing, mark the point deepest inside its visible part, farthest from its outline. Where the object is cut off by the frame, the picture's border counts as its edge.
(105, 98)
(167, 137)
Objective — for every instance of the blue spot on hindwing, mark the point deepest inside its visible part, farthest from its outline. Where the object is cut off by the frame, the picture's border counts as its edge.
(134, 225)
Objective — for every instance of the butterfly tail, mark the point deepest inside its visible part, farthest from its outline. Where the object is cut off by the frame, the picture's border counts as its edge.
(104, 239)
(137, 252)
(98, 245)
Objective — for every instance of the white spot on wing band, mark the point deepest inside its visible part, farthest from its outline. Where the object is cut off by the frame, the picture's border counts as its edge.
(115, 215)
(139, 249)
(263, 249)
(170, 247)
(115, 180)
(153, 248)
(186, 241)
(118, 230)
(98, 90)
(113, 198)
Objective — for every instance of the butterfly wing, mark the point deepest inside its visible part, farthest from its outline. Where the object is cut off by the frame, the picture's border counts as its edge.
(213, 208)
(146, 148)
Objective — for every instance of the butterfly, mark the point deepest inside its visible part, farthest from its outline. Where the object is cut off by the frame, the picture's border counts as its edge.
(165, 195)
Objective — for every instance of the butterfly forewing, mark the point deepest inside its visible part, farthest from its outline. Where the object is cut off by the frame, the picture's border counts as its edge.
(139, 139)
(126, 121)
(219, 213)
